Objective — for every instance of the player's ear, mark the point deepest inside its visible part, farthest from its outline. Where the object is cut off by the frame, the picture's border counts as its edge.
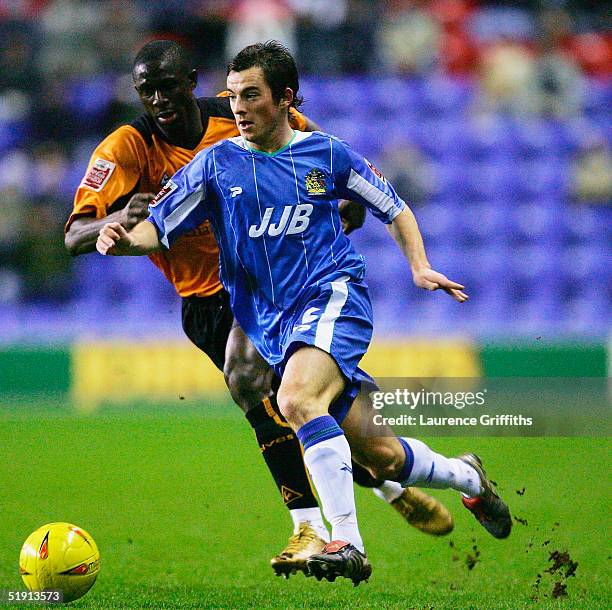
(193, 79)
(287, 98)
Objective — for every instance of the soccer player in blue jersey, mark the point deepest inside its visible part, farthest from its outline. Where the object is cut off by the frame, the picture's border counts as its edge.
(296, 288)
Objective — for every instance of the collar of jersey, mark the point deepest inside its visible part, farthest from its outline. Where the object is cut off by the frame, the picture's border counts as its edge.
(273, 153)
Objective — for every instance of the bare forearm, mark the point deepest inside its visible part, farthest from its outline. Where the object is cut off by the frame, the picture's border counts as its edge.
(405, 232)
(114, 240)
(83, 233)
(143, 240)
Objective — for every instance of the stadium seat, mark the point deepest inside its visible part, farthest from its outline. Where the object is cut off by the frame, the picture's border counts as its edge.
(536, 139)
(543, 178)
(448, 97)
(491, 24)
(584, 224)
(536, 221)
(13, 134)
(488, 137)
(89, 97)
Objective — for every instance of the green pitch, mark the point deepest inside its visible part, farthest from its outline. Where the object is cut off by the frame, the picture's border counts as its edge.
(186, 516)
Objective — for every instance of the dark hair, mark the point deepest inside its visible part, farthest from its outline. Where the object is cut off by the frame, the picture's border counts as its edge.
(277, 64)
(156, 50)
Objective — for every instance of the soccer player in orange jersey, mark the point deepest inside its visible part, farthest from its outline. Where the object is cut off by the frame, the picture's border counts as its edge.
(126, 169)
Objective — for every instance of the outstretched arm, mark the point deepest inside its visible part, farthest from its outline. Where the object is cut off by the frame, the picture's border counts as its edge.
(115, 240)
(405, 231)
(83, 232)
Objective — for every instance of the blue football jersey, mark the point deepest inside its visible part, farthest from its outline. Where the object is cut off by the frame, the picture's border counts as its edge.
(275, 217)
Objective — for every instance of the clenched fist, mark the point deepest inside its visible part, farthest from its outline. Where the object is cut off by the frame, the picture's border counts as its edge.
(136, 210)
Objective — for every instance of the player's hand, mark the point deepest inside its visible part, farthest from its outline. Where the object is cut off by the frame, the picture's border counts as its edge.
(113, 240)
(432, 280)
(352, 215)
(136, 210)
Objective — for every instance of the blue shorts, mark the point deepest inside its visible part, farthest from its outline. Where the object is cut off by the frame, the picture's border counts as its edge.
(337, 318)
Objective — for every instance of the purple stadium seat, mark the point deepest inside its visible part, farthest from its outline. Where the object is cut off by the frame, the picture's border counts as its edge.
(538, 178)
(384, 93)
(439, 221)
(583, 223)
(537, 222)
(448, 96)
(486, 222)
(13, 134)
(89, 97)
(490, 24)
(536, 139)
(487, 137)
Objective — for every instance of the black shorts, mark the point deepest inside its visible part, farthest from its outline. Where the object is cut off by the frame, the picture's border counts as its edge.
(207, 322)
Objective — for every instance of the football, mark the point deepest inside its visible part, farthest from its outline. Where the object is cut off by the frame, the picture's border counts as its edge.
(60, 556)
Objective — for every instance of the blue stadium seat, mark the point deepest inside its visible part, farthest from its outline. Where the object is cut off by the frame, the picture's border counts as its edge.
(439, 138)
(536, 221)
(587, 312)
(489, 137)
(490, 24)
(490, 179)
(13, 134)
(584, 224)
(384, 93)
(536, 139)
(539, 178)
(486, 222)
(89, 97)
(597, 96)
(446, 96)
(587, 263)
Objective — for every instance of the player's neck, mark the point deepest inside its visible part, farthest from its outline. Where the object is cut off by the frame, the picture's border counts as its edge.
(278, 139)
(189, 133)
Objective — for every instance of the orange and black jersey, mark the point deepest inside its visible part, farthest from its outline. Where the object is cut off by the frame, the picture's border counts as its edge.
(136, 158)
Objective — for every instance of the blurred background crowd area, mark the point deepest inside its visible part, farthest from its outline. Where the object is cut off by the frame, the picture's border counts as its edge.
(491, 118)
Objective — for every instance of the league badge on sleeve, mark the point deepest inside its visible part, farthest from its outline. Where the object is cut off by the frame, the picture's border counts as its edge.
(376, 171)
(168, 188)
(98, 174)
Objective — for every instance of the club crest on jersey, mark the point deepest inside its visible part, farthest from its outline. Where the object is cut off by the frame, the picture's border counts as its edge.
(315, 182)
(98, 174)
(376, 171)
(168, 188)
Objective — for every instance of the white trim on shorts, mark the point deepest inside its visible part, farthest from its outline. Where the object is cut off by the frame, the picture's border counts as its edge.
(327, 321)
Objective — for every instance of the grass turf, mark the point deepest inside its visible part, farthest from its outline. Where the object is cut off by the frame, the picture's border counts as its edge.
(186, 516)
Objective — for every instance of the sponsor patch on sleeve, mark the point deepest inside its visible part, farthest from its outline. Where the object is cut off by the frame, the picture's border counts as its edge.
(168, 188)
(98, 174)
(376, 171)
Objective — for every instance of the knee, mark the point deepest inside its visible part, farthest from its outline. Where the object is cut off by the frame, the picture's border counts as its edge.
(247, 382)
(293, 405)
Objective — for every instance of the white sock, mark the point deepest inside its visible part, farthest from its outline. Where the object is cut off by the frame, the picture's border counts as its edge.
(431, 469)
(312, 516)
(389, 491)
(329, 464)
